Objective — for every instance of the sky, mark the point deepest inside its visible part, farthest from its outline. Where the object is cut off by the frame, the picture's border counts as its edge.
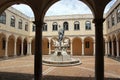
(63, 7)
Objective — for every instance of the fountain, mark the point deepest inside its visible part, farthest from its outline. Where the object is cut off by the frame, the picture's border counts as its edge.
(60, 57)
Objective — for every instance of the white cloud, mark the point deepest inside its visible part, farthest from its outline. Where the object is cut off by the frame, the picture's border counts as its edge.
(63, 7)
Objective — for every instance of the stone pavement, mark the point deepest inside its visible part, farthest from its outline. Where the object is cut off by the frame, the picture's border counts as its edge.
(23, 69)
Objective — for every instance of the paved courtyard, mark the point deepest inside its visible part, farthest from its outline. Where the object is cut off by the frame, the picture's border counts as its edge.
(22, 68)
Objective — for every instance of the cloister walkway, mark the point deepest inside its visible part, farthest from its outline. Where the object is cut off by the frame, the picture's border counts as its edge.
(22, 68)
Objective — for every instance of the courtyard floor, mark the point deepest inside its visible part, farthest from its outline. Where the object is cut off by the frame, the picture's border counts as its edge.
(22, 68)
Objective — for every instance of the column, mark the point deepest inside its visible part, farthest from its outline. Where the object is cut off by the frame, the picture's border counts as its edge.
(49, 47)
(112, 49)
(94, 48)
(22, 47)
(117, 48)
(71, 48)
(30, 48)
(83, 48)
(106, 49)
(38, 51)
(15, 47)
(6, 48)
(99, 55)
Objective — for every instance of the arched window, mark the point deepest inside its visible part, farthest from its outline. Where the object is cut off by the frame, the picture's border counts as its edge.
(26, 26)
(3, 18)
(20, 24)
(113, 20)
(88, 25)
(65, 25)
(33, 28)
(45, 27)
(118, 16)
(12, 22)
(76, 25)
(55, 26)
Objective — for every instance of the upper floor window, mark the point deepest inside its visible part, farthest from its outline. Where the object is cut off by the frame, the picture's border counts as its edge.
(76, 25)
(12, 22)
(113, 20)
(3, 18)
(33, 28)
(55, 26)
(65, 25)
(26, 26)
(45, 27)
(20, 24)
(118, 15)
(88, 25)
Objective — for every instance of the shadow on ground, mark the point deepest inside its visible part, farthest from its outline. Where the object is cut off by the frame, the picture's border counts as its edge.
(23, 76)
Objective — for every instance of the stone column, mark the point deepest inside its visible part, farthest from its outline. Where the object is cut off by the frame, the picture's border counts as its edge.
(6, 48)
(30, 48)
(15, 47)
(117, 48)
(99, 55)
(22, 47)
(106, 49)
(83, 47)
(38, 51)
(112, 49)
(71, 48)
(49, 47)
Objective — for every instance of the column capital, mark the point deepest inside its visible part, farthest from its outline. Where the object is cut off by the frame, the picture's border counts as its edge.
(39, 22)
(99, 21)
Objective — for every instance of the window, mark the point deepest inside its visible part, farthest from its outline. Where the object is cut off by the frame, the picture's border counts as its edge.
(45, 27)
(20, 24)
(26, 26)
(87, 44)
(33, 28)
(3, 18)
(113, 20)
(118, 16)
(88, 25)
(3, 44)
(12, 22)
(76, 25)
(55, 26)
(65, 25)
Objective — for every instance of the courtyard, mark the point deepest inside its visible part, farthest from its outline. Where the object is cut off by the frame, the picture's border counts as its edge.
(22, 68)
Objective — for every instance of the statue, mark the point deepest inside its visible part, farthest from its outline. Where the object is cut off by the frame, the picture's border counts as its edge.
(60, 33)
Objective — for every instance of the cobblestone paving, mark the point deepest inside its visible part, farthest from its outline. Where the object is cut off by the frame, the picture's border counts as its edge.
(23, 69)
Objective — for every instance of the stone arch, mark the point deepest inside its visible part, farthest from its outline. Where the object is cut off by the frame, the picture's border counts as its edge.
(2, 44)
(118, 37)
(33, 46)
(114, 45)
(25, 46)
(88, 46)
(110, 46)
(77, 46)
(11, 42)
(45, 46)
(18, 45)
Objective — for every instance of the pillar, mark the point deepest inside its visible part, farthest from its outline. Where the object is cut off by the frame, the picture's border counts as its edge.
(15, 47)
(106, 49)
(112, 49)
(83, 48)
(22, 47)
(99, 54)
(6, 48)
(117, 47)
(38, 51)
(30, 48)
(71, 47)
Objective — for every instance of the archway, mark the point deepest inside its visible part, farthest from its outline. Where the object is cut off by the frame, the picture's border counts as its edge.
(33, 47)
(114, 47)
(11, 42)
(88, 46)
(2, 44)
(25, 46)
(45, 46)
(19, 44)
(77, 46)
